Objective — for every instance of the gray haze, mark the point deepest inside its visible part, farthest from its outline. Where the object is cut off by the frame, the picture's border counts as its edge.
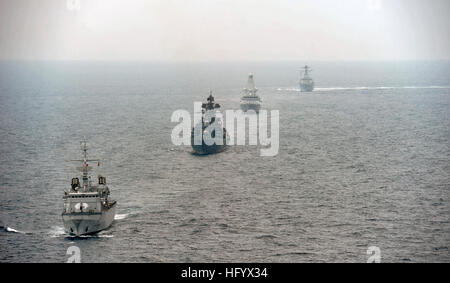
(225, 30)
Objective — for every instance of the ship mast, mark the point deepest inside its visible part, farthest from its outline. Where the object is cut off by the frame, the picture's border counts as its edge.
(85, 160)
(251, 89)
(306, 70)
(210, 105)
(85, 168)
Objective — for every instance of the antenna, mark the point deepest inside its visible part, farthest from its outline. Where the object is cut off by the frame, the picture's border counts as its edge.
(85, 168)
(305, 70)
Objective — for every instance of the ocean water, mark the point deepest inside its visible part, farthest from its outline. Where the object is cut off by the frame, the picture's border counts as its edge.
(363, 161)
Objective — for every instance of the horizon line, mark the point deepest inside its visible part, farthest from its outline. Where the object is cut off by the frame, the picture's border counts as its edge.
(220, 61)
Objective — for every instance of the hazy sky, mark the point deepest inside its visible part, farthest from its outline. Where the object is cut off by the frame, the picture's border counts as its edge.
(225, 30)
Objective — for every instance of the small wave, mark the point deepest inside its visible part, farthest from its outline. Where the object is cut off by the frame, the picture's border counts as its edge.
(12, 230)
(120, 216)
(266, 237)
(57, 231)
(288, 89)
(293, 253)
(93, 236)
(105, 236)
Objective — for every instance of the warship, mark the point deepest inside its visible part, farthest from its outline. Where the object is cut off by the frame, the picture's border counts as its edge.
(87, 207)
(208, 117)
(306, 82)
(250, 100)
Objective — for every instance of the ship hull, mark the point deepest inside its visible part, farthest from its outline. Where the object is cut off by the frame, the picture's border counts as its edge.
(86, 223)
(204, 149)
(250, 106)
(306, 87)
(208, 149)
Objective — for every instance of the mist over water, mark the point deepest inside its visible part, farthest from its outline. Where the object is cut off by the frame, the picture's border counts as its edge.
(363, 161)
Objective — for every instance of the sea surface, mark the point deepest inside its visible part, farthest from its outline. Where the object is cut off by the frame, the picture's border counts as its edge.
(363, 161)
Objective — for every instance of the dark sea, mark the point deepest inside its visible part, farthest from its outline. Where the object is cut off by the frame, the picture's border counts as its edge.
(363, 161)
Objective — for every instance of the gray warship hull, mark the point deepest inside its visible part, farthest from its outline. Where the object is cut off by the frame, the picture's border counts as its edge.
(251, 106)
(208, 149)
(85, 223)
(204, 149)
(306, 87)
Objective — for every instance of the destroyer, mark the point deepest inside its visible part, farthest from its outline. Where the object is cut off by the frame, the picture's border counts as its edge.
(306, 82)
(208, 118)
(87, 207)
(250, 100)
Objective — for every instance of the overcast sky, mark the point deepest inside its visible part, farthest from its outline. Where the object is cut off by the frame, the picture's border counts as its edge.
(225, 30)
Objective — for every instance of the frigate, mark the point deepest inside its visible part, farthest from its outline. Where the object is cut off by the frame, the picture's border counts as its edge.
(306, 82)
(198, 136)
(250, 100)
(87, 207)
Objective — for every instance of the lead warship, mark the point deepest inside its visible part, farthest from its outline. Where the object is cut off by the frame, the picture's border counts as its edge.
(250, 100)
(208, 117)
(87, 207)
(306, 82)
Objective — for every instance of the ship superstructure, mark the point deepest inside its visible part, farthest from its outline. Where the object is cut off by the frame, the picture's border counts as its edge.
(306, 82)
(250, 100)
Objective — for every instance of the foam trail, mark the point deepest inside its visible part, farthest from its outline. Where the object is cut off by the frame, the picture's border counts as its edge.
(365, 88)
(57, 231)
(288, 89)
(120, 216)
(12, 230)
(97, 235)
(101, 235)
(379, 88)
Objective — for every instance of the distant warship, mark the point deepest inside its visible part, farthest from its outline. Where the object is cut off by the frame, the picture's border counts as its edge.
(250, 100)
(306, 82)
(208, 117)
(87, 207)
